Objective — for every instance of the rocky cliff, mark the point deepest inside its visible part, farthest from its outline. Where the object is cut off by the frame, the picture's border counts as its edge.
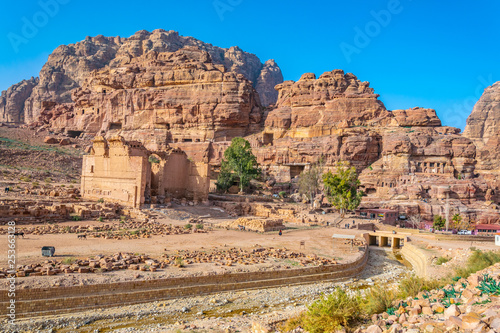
(313, 107)
(167, 90)
(180, 96)
(483, 127)
(13, 99)
(70, 65)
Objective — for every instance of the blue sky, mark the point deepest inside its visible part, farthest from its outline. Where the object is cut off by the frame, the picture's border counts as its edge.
(436, 54)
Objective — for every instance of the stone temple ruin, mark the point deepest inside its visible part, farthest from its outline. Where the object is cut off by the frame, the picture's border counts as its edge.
(127, 173)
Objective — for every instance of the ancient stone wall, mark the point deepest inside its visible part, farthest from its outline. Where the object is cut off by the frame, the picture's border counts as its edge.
(52, 301)
(127, 173)
(116, 172)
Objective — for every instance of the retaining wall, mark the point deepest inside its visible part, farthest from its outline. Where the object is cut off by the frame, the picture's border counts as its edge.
(53, 301)
(416, 258)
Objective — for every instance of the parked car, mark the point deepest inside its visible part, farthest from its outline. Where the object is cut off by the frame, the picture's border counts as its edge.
(464, 232)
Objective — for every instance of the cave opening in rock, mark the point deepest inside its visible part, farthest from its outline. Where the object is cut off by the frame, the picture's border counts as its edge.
(115, 126)
(74, 134)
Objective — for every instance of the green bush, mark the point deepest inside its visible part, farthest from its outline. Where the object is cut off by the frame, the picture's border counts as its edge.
(179, 262)
(282, 194)
(101, 200)
(199, 226)
(411, 285)
(378, 299)
(153, 159)
(477, 261)
(292, 323)
(68, 261)
(76, 218)
(332, 312)
(100, 219)
(442, 260)
(188, 226)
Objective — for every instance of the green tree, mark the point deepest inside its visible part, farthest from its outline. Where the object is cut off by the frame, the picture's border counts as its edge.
(239, 159)
(225, 179)
(310, 180)
(439, 222)
(341, 188)
(459, 223)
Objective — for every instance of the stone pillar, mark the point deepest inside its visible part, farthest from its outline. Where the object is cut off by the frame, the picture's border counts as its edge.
(396, 243)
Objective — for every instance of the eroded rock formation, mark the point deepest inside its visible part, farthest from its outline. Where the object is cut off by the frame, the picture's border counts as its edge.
(171, 92)
(172, 96)
(70, 65)
(12, 101)
(483, 127)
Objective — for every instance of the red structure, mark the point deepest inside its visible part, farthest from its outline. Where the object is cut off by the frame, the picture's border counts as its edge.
(486, 229)
(386, 216)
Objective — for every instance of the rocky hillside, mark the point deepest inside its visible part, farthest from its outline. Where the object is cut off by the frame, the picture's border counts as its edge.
(483, 127)
(167, 90)
(70, 65)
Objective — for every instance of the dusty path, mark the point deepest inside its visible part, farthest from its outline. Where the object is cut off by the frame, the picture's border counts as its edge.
(28, 250)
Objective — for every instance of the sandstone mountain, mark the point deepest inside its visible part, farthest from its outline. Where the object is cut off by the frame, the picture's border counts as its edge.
(12, 101)
(172, 96)
(165, 91)
(483, 127)
(70, 65)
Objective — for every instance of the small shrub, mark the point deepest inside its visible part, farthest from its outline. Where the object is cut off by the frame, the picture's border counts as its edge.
(153, 159)
(71, 186)
(378, 299)
(35, 184)
(199, 226)
(282, 194)
(47, 180)
(292, 323)
(188, 226)
(62, 185)
(179, 262)
(332, 312)
(477, 261)
(101, 200)
(442, 260)
(68, 261)
(76, 217)
(100, 219)
(411, 285)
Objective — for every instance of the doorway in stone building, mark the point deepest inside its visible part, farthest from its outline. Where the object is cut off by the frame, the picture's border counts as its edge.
(155, 174)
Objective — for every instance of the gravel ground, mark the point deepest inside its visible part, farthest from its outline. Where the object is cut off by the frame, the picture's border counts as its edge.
(222, 312)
